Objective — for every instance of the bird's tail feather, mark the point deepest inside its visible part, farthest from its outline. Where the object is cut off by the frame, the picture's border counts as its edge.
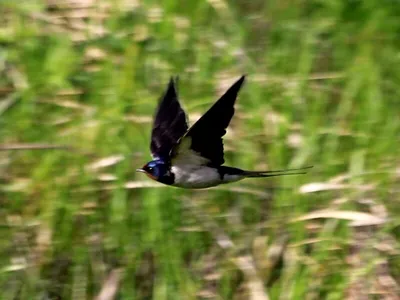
(276, 173)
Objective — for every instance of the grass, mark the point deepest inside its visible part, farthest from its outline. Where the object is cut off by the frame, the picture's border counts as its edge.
(323, 90)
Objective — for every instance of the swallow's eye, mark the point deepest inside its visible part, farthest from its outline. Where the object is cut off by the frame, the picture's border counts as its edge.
(150, 169)
(153, 169)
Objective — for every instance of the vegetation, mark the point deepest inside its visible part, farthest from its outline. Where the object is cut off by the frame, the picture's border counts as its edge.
(79, 84)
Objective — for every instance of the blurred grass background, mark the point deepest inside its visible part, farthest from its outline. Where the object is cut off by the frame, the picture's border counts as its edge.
(79, 83)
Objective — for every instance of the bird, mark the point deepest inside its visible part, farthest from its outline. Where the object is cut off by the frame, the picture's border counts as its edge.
(193, 157)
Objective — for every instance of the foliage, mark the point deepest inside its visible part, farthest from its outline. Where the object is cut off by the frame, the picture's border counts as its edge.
(79, 83)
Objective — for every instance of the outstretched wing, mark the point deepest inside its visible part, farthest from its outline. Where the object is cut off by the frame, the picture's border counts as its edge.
(202, 144)
(169, 123)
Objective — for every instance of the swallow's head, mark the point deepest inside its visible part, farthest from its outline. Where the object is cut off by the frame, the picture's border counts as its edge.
(157, 170)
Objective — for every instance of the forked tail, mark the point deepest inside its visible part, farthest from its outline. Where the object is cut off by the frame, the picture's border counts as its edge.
(276, 173)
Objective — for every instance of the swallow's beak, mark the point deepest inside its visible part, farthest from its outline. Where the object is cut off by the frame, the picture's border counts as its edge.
(140, 170)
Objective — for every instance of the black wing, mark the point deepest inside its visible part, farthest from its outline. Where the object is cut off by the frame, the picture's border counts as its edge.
(169, 123)
(203, 143)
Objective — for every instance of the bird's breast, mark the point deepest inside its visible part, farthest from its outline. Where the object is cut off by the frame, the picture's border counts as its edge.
(195, 177)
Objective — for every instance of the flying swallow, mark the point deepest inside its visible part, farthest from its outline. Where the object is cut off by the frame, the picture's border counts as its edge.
(193, 157)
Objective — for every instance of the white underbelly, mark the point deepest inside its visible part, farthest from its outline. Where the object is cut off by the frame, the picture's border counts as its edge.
(197, 177)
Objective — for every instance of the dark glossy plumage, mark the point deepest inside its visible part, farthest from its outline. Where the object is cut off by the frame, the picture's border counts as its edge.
(169, 123)
(206, 134)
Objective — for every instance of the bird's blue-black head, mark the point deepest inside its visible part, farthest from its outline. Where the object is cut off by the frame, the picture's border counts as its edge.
(158, 170)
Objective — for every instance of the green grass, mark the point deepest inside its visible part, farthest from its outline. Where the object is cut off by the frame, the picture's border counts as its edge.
(322, 89)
